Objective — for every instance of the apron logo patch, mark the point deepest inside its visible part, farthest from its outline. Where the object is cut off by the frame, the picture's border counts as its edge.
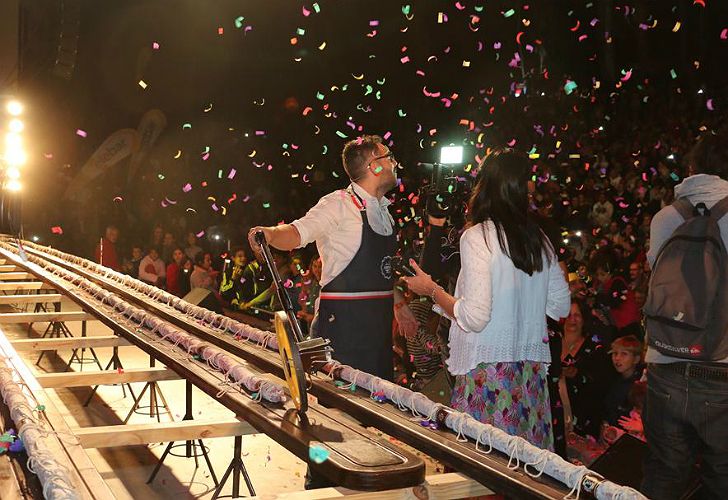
(386, 267)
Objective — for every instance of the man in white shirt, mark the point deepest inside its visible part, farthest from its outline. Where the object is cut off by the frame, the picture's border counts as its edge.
(354, 234)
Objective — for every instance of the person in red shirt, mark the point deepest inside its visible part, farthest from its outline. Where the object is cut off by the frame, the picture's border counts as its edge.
(105, 253)
(178, 281)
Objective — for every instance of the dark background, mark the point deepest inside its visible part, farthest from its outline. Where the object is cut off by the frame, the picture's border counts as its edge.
(257, 80)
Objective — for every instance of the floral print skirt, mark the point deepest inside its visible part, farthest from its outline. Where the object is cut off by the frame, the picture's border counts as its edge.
(512, 396)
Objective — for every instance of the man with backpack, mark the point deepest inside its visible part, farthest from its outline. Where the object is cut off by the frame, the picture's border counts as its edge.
(686, 410)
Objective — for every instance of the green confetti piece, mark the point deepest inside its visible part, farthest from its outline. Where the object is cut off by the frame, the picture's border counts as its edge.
(345, 87)
(378, 170)
(509, 13)
(335, 174)
(341, 134)
(285, 146)
(478, 8)
(219, 174)
(316, 8)
(569, 87)
(673, 74)
(160, 176)
(381, 82)
(40, 407)
(401, 113)
(326, 149)
(378, 95)
(239, 22)
(533, 150)
(186, 125)
(300, 31)
(370, 89)
(406, 9)
(266, 205)
(319, 96)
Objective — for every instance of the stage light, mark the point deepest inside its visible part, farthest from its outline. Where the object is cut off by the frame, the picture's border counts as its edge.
(13, 141)
(15, 157)
(16, 126)
(451, 155)
(13, 185)
(15, 108)
(13, 173)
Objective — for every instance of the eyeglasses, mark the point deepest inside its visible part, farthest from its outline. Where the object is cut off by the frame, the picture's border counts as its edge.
(389, 156)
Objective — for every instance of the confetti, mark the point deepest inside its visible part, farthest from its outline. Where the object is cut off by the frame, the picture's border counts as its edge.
(317, 454)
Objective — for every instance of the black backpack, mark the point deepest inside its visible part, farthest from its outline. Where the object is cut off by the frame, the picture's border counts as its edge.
(686, 311)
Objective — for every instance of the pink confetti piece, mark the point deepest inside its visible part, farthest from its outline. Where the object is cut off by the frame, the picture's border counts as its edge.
(187, 188)
(155, 46)
(374, 22)
(200, 234)
(724, 34)
(81, 133)
(232, 173)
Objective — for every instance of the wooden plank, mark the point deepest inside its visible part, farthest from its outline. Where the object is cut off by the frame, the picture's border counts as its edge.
(25, 285)
(30, 298)
(16, 276)
(7, 268)
(87, 379)
(436, 487)
(22, 317)
(85, 477)
(54, 344)
(140, 434)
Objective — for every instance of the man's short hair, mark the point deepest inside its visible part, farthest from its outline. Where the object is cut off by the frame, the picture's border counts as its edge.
(357, 153)
(710, 154)
(628, 343)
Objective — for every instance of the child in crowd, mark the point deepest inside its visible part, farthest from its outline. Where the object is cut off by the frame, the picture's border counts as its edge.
(620, 398)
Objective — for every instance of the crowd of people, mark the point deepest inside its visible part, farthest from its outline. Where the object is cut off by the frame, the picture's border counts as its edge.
(238, 280)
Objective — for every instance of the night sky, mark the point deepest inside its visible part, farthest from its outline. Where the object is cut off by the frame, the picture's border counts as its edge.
(272, 89)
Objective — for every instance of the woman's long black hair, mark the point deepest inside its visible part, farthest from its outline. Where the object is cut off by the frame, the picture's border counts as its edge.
(501, 195)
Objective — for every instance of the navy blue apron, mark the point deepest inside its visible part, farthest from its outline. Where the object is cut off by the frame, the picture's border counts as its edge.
(356, 307)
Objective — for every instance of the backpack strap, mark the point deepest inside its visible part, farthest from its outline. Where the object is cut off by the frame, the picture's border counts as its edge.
(718, 210)
(684, 208)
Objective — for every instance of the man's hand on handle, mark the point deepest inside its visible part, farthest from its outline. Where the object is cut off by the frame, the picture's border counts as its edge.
(267, 231)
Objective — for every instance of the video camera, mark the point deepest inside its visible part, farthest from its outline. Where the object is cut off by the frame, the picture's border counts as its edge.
(449, 188)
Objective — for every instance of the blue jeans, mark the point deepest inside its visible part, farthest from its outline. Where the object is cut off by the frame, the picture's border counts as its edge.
(686, 422)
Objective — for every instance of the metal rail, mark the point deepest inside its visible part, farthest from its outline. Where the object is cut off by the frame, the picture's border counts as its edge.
(372, 464)
(491, 470)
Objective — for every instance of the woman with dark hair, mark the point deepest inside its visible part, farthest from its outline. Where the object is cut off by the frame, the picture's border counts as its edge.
(509, 282)
(587, 369)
